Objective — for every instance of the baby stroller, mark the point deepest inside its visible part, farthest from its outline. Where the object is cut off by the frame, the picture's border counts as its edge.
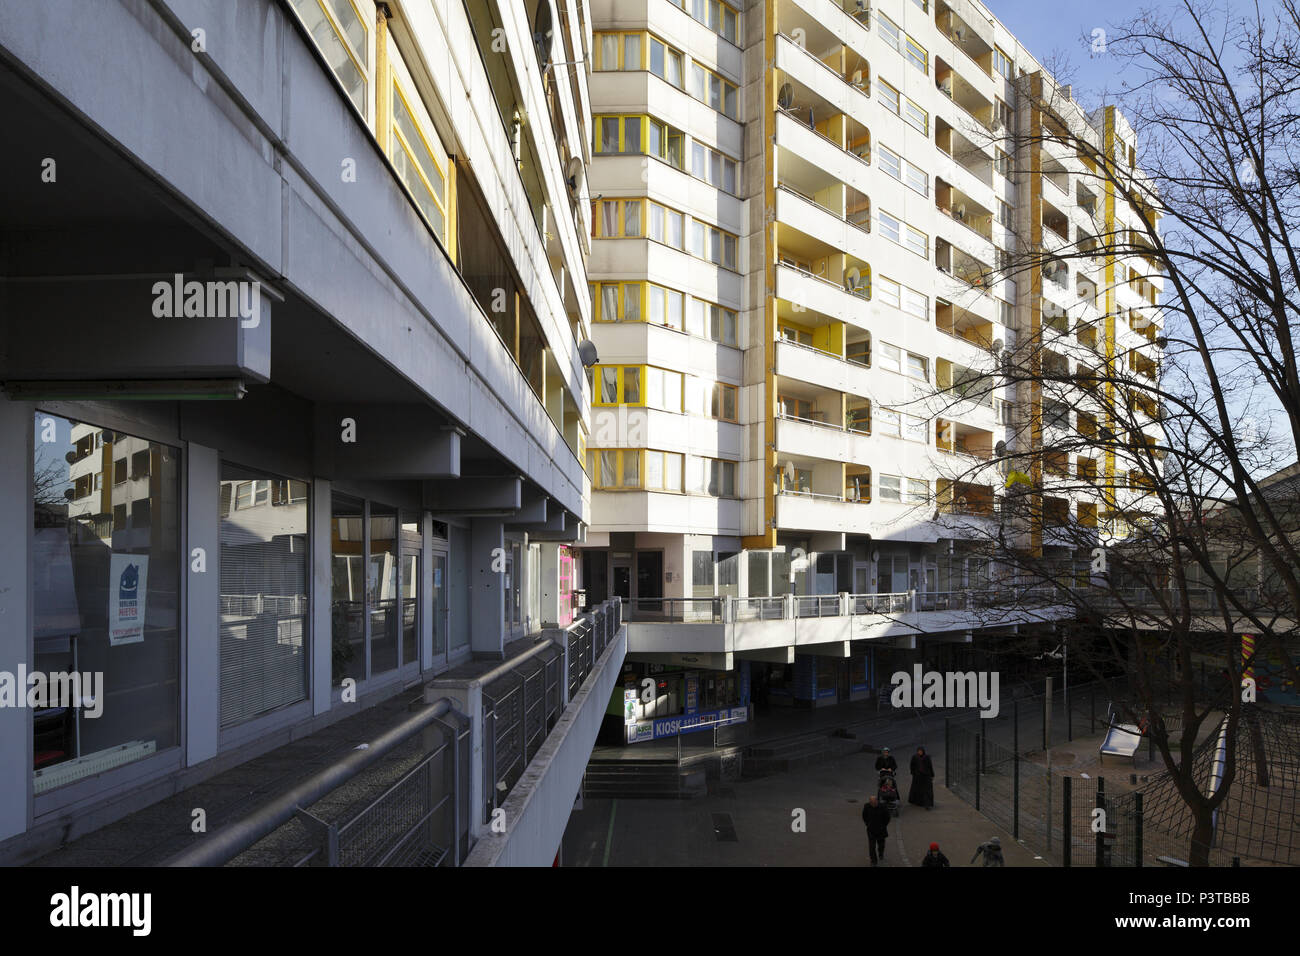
(887, 792)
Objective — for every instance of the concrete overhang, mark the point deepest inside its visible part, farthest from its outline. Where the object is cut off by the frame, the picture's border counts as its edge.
(387, 441)
(486, 496)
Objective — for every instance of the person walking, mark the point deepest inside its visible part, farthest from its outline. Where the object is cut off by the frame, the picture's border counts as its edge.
(922, 790)
(886, 761)
(992, 853)
(876, 817)
(935, 858)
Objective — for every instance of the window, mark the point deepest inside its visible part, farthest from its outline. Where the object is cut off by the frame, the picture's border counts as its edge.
(711, 476)
(1001, 162)
(709, 87)
(888, 423)
(1004, 115)
(1004, 214)
(711, 399)
(717, 15)
(120, 473)
(916, 304)
(712, 322)
(916, 429)
(264, 596)
(890, 227)
(617, 301)
(419, 159)
(889, 292)
(341, 36)
(634, 468)
(918, 242)
(1001, 62)
(665, 225)
(917, 56)
(714, 168)
(891, 358)
(891, 488)
(114, 589)
(639, 134)
(913, 115)
(663, 389)
(918, 491)
(617, 218)
(621, 51)
(665, 62)
(618, 384)
(918, 367)
(890, 33)
(912, 176)
(665, 307)
(891, 99)
(711, 243)
(798, 336)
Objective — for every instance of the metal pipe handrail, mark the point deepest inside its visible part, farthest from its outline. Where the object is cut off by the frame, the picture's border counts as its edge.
(233, 838)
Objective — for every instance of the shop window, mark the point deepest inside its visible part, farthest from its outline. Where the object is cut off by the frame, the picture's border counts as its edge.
(105, 601)
(264, 599)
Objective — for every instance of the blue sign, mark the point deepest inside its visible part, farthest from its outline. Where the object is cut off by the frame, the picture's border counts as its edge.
(688, 724)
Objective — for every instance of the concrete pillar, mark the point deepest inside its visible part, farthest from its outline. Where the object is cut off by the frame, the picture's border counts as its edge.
(202, 604)
(322, 587)
(16, 436)
(467, 698)
(487, 605)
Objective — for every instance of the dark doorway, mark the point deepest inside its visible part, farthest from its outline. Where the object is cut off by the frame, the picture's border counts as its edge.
(595, 576)
(649, 581)
(623, 581)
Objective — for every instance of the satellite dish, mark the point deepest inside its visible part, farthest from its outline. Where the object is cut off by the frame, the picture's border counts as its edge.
(875, 555)
(70, 458)
(997, 346)
(1000, 449)
(857, 78)
(852, 279)
(573, 175)
(587, 353)
(69, 493)
(789, 473)
(785, 97)
(1161, 341)
(543, 34)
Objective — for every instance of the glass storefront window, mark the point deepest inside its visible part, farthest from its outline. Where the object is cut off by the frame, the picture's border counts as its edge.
(105, 598)
(263, 624)
(348, 597)
(381, 588)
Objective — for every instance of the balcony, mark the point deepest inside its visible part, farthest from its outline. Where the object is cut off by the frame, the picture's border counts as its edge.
(818, 367)
(816, 88)
(978, 108)
(815, 160)
(820, 224)
(831, 299)
(964, 210)
(811, 439)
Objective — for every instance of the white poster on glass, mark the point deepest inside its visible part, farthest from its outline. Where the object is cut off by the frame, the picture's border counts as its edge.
(128, 583)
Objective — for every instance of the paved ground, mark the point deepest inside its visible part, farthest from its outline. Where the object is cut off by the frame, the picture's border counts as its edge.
(762, 813)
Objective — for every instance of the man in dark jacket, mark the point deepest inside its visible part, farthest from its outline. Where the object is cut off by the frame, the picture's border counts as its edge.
(935, 858)
(876, 817)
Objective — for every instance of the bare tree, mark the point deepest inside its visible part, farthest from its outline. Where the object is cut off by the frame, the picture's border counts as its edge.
(1133, 494)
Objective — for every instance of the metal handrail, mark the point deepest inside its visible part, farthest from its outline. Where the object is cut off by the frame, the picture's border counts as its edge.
(232, 839)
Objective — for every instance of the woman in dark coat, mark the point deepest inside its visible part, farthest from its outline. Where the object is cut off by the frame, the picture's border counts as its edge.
(922, 790)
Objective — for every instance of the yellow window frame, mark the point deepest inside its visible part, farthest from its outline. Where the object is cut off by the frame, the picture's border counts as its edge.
(620, 219)
(598, 299)
(620, 384)
(601, 66)
(622, 132)
(440, 158)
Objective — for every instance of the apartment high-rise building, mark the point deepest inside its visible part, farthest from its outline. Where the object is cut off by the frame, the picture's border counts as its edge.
(811, 220)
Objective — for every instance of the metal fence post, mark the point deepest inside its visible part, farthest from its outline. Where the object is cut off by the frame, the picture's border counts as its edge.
(1067, 837)
(1101, 834)
(1015, 770)
(1137, 828)
(947, 752)
(1092, 713)
(979, 746)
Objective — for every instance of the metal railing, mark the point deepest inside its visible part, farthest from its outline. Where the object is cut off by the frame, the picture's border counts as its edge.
(422, 817)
